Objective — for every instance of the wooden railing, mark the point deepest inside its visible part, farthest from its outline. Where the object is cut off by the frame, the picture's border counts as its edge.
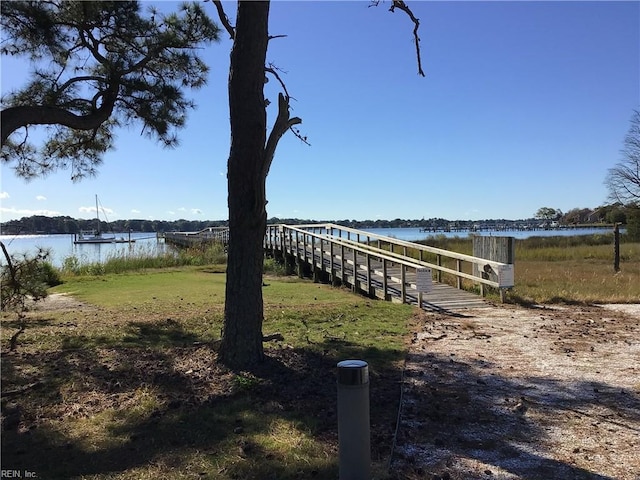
(380, 266)
(188, 239)
(335, 249)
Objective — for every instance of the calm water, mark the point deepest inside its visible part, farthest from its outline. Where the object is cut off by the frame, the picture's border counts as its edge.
(413, 234)
(62, 246)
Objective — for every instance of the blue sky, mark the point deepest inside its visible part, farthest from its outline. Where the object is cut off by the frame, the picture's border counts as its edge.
(525, 105)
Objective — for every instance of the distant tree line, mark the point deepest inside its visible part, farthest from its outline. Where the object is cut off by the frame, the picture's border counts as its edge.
(66, 225)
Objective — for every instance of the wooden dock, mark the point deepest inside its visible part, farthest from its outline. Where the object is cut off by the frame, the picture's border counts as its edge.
(374, 265)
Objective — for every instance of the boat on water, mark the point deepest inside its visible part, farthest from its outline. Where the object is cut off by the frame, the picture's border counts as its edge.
(96, 235)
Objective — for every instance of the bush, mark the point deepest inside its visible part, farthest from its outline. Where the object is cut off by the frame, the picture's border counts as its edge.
(273, 267)
(50, 275)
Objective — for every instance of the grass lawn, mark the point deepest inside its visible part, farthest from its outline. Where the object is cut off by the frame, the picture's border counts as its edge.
(125, 385)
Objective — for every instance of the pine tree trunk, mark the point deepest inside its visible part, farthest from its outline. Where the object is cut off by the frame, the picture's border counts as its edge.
(241, 344)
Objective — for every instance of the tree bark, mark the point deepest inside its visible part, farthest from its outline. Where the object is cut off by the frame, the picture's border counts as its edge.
(241, 345)
(14, 118)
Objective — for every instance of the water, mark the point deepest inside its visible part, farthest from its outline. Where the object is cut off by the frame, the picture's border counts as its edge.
(414, 234)
(62, 247)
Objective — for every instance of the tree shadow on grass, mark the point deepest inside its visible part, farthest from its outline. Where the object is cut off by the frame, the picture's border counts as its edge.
(159, 334)
(106, 409)
(150, 411)
(121, 409)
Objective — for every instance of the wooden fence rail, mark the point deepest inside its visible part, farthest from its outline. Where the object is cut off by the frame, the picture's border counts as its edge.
(188, 239)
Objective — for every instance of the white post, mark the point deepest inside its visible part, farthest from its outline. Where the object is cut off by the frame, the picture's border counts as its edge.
(353, 420)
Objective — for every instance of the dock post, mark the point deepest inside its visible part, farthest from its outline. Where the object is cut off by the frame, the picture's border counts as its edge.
(616, 247)
(353, 420)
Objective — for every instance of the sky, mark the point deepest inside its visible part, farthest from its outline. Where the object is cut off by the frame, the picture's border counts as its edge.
(524, 105)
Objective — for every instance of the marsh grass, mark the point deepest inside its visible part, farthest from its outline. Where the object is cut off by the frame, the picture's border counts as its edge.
(562, 269)
(147, 258)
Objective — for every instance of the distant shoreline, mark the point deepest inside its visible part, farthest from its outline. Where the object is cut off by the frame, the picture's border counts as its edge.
(39, 225)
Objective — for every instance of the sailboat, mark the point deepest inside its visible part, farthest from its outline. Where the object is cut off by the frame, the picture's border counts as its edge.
(96, 235)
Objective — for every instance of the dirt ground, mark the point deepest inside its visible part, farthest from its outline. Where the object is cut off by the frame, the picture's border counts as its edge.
(507, 392)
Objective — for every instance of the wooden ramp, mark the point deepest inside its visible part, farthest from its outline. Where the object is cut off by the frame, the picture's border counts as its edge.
(362, 261)
(445, 298)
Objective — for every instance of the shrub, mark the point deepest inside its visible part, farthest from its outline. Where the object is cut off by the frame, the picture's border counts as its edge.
(23, 278)
(49, 274)
(273, 267)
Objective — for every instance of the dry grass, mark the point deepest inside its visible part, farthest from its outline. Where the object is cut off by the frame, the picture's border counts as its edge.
(564, 269)
(584, 281)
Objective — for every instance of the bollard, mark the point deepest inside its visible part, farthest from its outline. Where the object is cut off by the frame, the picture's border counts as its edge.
(353, 420)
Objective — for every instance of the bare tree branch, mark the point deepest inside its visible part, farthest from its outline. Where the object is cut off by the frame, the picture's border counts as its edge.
(297, 133)
(403, 6)
(84, 78)
(416, 22)
(623, 180)
(273, 70)
(280, 127)
(224, 19)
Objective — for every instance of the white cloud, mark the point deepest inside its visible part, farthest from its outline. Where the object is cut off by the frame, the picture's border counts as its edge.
(196, 211)
(92, 210)
(171, 212)
(133, 210)
(4, 195)
(41, 197)
(24, 212)
(182, 209)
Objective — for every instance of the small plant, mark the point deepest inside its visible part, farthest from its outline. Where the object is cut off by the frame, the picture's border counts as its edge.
(245, 381)
(71, 265)
(24, 279)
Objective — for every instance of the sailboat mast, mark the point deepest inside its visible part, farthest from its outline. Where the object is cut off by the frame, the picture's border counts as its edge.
(97, 214)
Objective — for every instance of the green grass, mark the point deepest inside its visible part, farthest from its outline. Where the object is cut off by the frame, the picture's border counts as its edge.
(165, 287)
(130, 388)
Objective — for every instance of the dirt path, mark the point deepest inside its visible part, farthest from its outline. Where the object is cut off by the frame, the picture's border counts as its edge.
(58, 301)
(514, 393)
